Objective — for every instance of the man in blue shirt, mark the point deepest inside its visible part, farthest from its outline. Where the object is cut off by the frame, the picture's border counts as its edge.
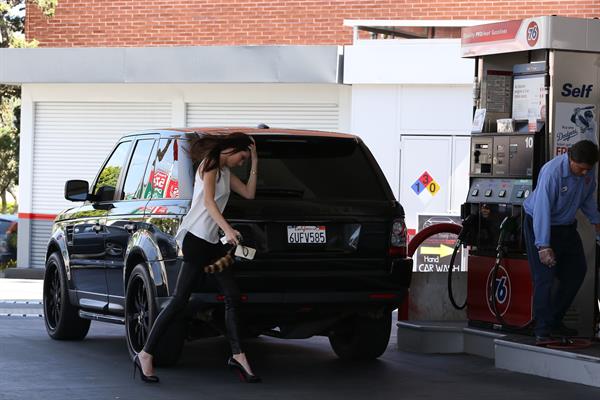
(554, 249)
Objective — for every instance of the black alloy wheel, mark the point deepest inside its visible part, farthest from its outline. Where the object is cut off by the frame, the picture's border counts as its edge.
(52, 299)
(139, 314)
(60, 316)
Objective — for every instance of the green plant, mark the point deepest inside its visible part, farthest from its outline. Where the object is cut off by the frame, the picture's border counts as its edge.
(11, 207)
(8, 264)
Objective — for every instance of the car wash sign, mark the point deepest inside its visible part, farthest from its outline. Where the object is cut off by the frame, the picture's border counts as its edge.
(504, 37)
(435, 253)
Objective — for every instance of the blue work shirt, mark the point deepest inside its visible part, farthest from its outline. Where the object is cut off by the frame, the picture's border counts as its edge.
(557, 197)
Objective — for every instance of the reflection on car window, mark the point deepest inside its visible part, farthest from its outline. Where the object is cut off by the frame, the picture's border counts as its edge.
(172, 174)
(133, 186)
(107, 180)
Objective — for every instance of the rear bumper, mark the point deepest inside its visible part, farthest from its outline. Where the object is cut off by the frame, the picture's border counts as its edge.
(389, 289)
(387, 297)
(275, 300)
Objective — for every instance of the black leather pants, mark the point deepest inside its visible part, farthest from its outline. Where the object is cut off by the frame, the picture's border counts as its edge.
(197, 253)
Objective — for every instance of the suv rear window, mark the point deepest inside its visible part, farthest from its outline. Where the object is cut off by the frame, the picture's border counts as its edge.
(313, 168)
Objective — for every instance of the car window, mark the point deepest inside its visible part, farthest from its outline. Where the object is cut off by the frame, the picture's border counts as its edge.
(107, 179)
(313, 168)
(4, 225)
(133, 185)
(172, 174)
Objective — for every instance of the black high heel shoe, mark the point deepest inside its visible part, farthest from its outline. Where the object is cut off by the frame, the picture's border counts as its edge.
(146, 378)
(244, 375)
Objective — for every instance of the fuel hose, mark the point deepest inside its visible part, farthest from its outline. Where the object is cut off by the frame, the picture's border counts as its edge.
(508, 226)
(467, 225)
(450, 268)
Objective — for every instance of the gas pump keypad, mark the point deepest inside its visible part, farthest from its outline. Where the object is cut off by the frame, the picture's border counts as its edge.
(500, 191)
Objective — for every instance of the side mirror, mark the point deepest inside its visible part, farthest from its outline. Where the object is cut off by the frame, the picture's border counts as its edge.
(77, 190)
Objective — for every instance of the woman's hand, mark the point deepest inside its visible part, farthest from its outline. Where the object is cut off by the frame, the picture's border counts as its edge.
(233, 236)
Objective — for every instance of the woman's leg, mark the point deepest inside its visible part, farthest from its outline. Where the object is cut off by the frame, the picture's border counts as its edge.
(232, 317)
(232, 303)
(185, 280)
(193, 249)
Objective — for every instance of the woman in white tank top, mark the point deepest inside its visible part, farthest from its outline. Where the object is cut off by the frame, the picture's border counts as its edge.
(199, 240)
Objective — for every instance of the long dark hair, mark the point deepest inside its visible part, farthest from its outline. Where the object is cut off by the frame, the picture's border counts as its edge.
(207, 148)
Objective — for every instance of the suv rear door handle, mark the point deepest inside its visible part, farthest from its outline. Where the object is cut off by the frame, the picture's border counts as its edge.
(130, 227)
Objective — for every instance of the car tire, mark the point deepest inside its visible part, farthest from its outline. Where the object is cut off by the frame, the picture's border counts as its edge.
(361, 337)
(60, 316)
(140, 313)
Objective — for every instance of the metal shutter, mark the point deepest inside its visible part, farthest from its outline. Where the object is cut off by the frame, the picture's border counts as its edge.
(39, 237)
(71, 140)
(320, 116)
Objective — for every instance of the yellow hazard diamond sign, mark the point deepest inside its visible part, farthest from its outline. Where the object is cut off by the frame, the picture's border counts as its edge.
(425, 183)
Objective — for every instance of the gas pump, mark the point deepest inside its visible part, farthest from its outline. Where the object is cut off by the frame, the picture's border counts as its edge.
(499, 281)
(537, 92)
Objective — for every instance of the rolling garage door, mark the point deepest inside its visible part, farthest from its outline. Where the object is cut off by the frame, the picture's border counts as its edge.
(320, 116)
(71, 140)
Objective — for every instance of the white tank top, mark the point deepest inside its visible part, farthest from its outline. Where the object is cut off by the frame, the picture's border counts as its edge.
(198, 221)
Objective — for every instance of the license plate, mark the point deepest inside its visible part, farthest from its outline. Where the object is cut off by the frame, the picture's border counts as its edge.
(306, 234)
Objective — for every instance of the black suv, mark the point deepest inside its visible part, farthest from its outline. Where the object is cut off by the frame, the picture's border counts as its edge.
(329, 234)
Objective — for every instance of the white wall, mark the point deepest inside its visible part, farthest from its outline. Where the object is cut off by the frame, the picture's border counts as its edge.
(414, 61)
(385, 116)
(435, 109)
(375, 118)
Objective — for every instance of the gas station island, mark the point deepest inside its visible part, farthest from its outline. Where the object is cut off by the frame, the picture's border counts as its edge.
(536, 93)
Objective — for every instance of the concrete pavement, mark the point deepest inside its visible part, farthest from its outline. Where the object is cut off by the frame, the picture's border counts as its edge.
(35, 367)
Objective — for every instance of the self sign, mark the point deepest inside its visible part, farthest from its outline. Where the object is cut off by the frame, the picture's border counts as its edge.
(569, 91)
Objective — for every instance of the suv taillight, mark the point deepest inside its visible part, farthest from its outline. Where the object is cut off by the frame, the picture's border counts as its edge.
(398, 239)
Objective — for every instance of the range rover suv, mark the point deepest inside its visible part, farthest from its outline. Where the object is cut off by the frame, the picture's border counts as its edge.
(329, 234)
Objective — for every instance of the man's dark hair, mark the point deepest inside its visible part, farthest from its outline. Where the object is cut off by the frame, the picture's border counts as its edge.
(584, 151)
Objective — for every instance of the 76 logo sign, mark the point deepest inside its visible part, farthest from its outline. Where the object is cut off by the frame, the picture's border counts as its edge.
(533, 33)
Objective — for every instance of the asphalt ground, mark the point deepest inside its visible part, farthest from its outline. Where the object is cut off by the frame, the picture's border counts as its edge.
(33, 366)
